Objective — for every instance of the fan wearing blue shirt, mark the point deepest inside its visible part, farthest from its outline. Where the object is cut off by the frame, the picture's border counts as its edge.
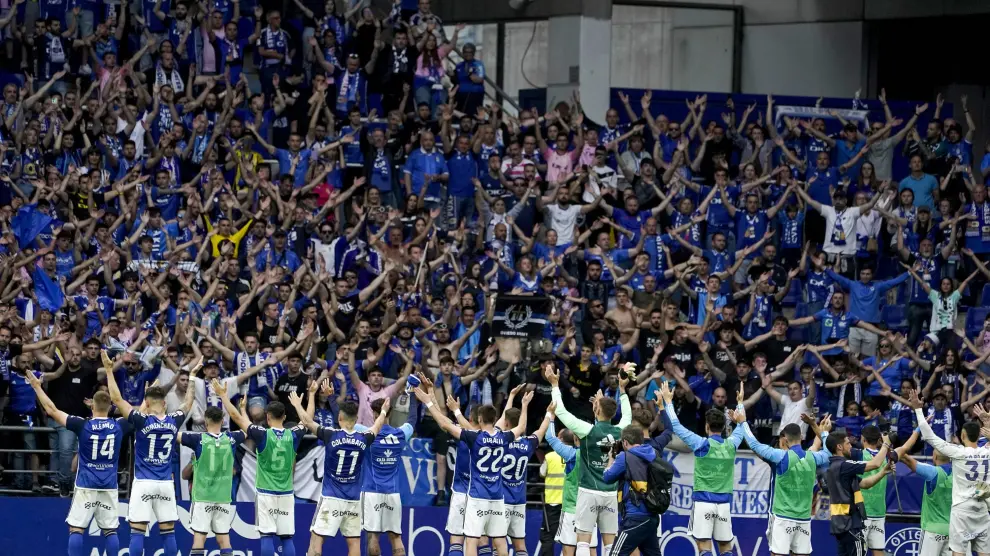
(295, 161)
(426, 171)
(836, 323)
(924, 186)
(463, 167)
(865, 296)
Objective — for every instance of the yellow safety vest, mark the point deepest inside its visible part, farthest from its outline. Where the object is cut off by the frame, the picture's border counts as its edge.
(553, 486)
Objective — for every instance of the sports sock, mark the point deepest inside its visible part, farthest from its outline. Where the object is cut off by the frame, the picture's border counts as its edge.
(456, 550)
(75, 544)
(202, 552)
(267, 545)
(707, 553)
(728, 553)
(288, 547)
(606, 550)
(112, 543)
(521, 553)
(168, 539)
(226, 552)
(136, 544)
(584, 549)
(484, 550)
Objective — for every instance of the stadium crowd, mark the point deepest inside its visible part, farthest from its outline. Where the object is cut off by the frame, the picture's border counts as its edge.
(211, 191)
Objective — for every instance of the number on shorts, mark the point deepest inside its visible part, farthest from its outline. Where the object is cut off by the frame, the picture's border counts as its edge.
(341, 456)
(514, 468)
(485, 454)
(974, 470)
(166, 453)
(103, 449)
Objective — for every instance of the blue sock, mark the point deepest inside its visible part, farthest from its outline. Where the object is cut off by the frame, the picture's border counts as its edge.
(168, 539)
(136, 546)
(76, 544)
(456, 550)
(112, 544)
(288, 547)
(226, 552)
(484, 550)
(707, 553)
(727, 553)
(197, 552)
(267, 545)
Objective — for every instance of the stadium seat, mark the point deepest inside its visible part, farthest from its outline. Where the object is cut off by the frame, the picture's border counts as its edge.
(793, 296)
(985, 296)
(895, 317)
(974, 320)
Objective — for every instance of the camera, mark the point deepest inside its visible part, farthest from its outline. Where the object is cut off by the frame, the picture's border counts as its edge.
(616, 448)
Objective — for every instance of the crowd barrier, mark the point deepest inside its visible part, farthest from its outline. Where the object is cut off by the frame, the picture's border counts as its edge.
(36, 526)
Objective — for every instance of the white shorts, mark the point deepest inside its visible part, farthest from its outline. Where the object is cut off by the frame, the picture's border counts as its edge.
(875, 533)
(934, 545)
(597, 508)
(787, 536)
(89, 504)
(211, 517)
(515, 515)
(275, 514)
(711, 522)
(381, 513)
(485, 518)
(152, 501)
(333, 515)
(567, 534)
(455, 513)
(969, 531)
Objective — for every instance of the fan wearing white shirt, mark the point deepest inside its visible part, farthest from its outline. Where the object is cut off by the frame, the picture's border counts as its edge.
(563, 215)
(840, 226)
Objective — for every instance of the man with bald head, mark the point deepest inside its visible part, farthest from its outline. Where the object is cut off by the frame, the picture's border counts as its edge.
(426, 171)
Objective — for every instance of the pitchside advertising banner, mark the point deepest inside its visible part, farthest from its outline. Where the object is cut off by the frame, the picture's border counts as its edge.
(36, 525)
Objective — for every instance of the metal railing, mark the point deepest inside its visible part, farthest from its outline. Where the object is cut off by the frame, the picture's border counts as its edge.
(124, 472)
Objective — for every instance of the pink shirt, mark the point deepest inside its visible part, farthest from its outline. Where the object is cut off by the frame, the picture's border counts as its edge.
(423, 70)
(587, 155)
(365, 398)
(209, 54)
(559, 165)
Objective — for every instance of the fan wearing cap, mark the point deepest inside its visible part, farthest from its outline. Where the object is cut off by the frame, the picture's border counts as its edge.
(278, 254)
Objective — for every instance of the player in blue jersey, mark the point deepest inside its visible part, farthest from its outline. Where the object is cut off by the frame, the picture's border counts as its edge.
(95, 495)
(459, 487)
(514, 468)
(155, 432)
(485, 509)
(381, 505)
(339, 507)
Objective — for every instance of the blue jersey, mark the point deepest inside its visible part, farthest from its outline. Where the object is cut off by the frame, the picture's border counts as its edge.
(342, 465)
(835, 327)
(487, 453)
(154, 439)
(100, 439)
(514, 465)
(381, 467)
(818, 287)
(462, 468)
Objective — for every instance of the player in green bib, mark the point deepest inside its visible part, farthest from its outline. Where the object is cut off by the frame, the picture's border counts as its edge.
(276, 449)
(936, 498)
(714, 476)
(874, 497)
(597, 502)
(795, 471)
(563, 445)
(213, 479)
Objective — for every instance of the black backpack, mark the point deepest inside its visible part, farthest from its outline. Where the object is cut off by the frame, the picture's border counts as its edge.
(659, 478)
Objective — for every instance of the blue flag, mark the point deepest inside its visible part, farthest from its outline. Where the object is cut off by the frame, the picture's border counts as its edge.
(28, 223)
(48, 291)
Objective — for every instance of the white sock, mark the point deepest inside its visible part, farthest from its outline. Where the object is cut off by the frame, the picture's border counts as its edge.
(607, 550)
(583, 549)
